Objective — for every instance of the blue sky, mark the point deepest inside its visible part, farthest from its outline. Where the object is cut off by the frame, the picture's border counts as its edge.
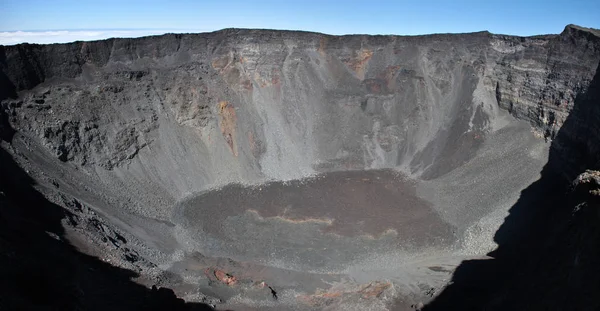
(526, 17)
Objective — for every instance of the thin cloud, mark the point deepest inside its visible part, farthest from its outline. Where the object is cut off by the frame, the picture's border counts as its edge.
(63, 36)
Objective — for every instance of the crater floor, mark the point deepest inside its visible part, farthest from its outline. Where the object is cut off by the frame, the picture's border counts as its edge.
(346, 228)
(317, 223)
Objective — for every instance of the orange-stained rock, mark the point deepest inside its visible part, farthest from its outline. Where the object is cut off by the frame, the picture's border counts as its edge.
(322, 46)
(227, 123)
(247, 85)
(389, 76)
(220, 63)
(367, 291)
(359, 63)
(374, 289)
(225, 278)
(252, 142)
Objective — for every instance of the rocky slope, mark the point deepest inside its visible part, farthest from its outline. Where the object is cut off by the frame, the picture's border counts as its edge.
(132, 130)
(546, 257)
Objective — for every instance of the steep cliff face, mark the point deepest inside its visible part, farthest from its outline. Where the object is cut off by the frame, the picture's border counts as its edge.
(547, 256)
(541, 80)
(402, 99)
(132, 128)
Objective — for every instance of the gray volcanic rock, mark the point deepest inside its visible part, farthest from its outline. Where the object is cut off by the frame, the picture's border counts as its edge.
(200, 145)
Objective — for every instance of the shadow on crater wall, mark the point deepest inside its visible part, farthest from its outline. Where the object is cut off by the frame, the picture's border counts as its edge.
(548, 256)
(40, 270)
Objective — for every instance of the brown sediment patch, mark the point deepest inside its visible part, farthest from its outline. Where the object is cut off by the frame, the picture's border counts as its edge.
(225, 277)
(275, 77)
(387, 232)
(247, 84)
(232, 76)
(271, 78)
(389, 76)
(352, 203)
(215, 274)
(259, 80)
(232, 72)
(250, 273)
(375, 86)
(322, 46)
(222, 62)
(327, 222)
(374, 289)
(227, 124)
(359, 63)
(439, 269)
(252, 144)
(370, 290)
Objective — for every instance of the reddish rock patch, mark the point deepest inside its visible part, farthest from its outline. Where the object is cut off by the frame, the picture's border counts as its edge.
(371, 290)
(359, 63)
(375, 86)
(225, 278)
(374, 289)
(228, 124)
(322, 46)
(222, 62)
(389, 75)
(221, 276)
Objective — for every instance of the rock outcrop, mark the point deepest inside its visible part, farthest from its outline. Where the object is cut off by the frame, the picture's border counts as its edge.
(588, 182)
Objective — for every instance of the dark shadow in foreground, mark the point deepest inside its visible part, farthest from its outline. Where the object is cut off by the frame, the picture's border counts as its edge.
(548, 255)
(40, 270)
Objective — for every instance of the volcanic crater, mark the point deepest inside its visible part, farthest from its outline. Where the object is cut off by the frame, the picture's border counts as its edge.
(283, 170)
